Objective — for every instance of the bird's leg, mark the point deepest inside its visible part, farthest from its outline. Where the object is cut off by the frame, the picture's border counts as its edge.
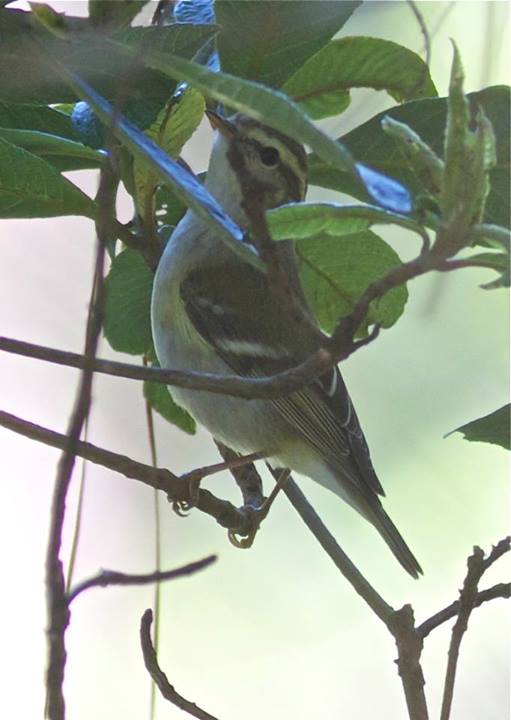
(195, 477)
(259, 514)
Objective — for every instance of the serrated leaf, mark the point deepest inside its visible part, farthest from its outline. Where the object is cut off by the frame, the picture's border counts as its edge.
(279, 112)
(159, 398)
(31, 187)
(65, 153)
(173, 127)
(127, 324)
(322, 85)
(269, 41)
(427, 118)
(335, 271)
(493, 428)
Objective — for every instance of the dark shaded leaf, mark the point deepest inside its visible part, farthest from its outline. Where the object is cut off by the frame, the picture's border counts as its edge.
(114, 13)
(321, 86)
(493, 428)
(31, 187)
(127, 324)
(37, 117)
(269, 41)
(28, 77)
(427, 117)
(335, 271)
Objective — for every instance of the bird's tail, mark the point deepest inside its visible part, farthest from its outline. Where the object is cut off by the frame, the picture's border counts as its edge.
(389, 532)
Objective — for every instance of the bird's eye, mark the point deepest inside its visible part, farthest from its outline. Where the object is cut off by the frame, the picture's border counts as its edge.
(269, 156)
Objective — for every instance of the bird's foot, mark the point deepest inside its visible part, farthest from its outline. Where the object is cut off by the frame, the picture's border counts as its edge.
(255, 516)
(183, 507)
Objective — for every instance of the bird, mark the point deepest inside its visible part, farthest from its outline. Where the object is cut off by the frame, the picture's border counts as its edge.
(213, 312)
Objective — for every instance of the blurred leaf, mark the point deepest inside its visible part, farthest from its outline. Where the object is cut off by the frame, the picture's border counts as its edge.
(175, 124)
(493, 428)
(114, 13)
(269, 41)
(51, 147)
(275, 109)
(321, 86)
(28, 77)
(31, 187)
(335, 271)
(160, 399)
(302, 220)
(129, 285)
(36, 117)
(184, 184)
(427, 118)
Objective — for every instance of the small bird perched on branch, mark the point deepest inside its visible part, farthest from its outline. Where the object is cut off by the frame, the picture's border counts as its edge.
(214, 313)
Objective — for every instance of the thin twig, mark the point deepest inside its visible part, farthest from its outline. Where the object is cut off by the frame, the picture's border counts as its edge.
(501, 590)
(151, 662)
(105, 578)
(424, 30)
(477, 566)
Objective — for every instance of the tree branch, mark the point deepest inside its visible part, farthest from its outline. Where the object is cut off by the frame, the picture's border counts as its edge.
(58, 611)
(177, 489)
(151, 662)
(105, 578)
(501, 590)
(477, 566)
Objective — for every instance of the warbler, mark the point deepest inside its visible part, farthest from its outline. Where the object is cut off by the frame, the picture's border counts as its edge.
(214, 313)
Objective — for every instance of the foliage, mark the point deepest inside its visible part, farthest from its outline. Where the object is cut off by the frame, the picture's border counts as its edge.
(425, 164)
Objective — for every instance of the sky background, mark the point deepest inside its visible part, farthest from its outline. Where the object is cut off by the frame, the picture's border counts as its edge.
(275, 631)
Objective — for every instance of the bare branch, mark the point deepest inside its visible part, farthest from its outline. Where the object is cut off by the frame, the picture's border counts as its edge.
(477, 566)
(151, 662)
(247, 478)
(501, 590)
(176, 488)
(58, 611)
(105, 578)
(335, 552)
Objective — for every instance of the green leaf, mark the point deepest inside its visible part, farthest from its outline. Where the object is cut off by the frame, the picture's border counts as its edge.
(302, 220)
(371, 145)
(168, 208)
(31, 187)
(321, 86)
(173, 127)
(335, 271)
(37, 117)
(28, 75)
(129, 285)
(496, 261)
(493, 428)
(275, 109)
(269, 41)
(55, 150)
(159, 398)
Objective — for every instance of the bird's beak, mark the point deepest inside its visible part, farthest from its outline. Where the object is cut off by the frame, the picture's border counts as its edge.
(224, 126)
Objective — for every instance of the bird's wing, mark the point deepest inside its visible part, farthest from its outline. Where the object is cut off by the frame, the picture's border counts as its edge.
(263, 341)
